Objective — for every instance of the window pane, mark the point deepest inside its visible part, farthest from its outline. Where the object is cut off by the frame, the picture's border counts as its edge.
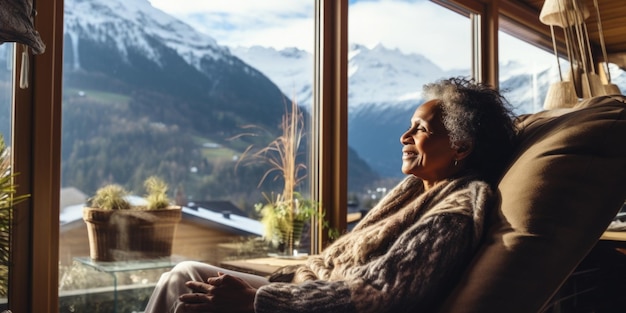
(6, 90)
(178, 89)
(6, 125)
(616, 76)
(526, 73)
(410, 44)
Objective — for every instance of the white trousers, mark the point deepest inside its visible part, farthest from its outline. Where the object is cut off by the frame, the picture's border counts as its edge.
(171, 285)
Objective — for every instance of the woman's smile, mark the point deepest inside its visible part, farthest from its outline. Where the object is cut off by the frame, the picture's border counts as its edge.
(406, 154)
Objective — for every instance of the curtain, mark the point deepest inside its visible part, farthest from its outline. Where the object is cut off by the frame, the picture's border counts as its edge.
(16, 24)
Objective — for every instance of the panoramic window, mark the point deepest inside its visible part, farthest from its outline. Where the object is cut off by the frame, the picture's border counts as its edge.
(193, 94)
(411, 44)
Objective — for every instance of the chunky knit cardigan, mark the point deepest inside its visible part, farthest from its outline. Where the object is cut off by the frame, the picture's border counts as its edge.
(406, 255)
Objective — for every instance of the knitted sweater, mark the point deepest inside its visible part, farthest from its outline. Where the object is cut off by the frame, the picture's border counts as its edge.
(406, 255)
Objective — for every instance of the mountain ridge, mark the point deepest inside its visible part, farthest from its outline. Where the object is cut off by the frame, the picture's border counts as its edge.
(127, 59)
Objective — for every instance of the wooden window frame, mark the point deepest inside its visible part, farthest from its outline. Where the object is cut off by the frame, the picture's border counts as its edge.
(36, 147)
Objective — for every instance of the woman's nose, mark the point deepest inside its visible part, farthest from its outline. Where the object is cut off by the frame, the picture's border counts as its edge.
(406, 137)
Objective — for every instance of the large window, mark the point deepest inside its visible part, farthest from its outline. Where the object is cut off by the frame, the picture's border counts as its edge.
(180, 90)
(158, 97)
(411, 43)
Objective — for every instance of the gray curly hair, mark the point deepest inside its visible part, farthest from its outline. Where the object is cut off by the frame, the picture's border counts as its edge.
(476, 113)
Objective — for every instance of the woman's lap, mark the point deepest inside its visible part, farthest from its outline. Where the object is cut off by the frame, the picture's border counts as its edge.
(172, 283)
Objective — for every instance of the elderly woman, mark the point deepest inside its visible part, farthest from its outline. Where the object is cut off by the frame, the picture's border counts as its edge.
(409, 251)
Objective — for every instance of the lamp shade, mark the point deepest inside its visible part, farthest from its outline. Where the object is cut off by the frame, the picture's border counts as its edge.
(560, 95)
(612, 89)
(592, 85)
(563, 12)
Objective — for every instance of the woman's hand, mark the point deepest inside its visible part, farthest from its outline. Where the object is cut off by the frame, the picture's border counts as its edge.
(224, 293)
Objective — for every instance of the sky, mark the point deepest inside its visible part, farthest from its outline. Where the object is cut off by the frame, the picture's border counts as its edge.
(412, 26)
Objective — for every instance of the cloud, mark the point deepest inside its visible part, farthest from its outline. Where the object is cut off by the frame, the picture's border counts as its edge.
(421, 27)
(248, 22)
(413, 27)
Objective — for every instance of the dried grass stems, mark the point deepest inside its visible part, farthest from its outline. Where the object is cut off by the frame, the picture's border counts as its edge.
(8, 199)
(282, 211)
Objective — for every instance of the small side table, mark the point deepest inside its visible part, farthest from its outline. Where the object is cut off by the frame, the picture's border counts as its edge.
(113, 268)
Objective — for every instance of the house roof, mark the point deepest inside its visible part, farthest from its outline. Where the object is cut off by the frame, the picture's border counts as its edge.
(217, 206)
(71, 196)
(224, 220)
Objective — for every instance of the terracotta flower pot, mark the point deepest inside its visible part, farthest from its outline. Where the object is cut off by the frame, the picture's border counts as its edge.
(122, 235)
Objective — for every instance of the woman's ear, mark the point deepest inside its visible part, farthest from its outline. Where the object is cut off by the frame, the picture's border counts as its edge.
(464, 148)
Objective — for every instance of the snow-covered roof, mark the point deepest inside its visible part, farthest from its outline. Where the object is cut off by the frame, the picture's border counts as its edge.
(233, 221)
(221, 220)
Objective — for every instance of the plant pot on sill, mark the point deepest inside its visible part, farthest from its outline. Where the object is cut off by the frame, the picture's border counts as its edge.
(289, 244)
(124, 235)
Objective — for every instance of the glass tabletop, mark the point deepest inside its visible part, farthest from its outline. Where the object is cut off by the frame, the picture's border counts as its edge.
(131, 265)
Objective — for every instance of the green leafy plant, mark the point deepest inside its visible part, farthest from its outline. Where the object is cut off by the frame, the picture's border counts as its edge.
(8, 199)
(283, 220)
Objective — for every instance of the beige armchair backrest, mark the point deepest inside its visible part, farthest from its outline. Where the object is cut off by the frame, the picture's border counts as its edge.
(564, 185)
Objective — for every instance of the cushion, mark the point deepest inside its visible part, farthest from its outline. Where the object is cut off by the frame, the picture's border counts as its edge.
(565, 183)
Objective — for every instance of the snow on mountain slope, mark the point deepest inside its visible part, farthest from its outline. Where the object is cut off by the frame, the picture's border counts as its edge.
(382, 75)
(376, 76)
(382, 79)
(133, 23)
(290, 69)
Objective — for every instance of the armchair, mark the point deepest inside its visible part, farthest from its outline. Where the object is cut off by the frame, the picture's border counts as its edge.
(565, 184)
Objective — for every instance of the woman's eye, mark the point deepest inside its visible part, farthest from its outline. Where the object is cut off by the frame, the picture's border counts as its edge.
(418, 129)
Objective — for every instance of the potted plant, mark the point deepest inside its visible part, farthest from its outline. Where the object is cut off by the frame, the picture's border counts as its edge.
(284, 215)
(284, 220)
(8, 199)
(120, 231)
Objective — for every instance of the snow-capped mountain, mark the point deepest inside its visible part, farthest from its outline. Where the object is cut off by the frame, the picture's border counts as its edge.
(136, 24)
(384, 87)
(387, 77)
(378, 76)
(290, 69)
(135, 42)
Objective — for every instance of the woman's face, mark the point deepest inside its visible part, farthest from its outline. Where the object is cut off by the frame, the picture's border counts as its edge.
(427, 152)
